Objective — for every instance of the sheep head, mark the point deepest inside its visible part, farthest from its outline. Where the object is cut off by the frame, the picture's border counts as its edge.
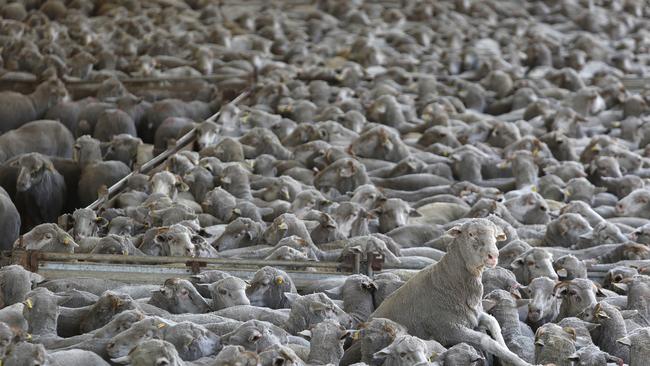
(475, 241)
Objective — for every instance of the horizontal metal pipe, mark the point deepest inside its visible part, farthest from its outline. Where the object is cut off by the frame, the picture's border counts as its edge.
(134, 80)
(156, 274)
(102, 258)
(604, 267)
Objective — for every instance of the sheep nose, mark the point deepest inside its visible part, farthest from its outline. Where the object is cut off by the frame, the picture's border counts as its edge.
(534, 315)
(110, 345)
(619, 208)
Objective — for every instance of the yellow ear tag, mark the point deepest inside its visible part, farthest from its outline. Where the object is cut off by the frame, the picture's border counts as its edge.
(355, 335)
(533, 188)
(161, 325)
(28, 337)
(595, 148)
(29, 303)
(433, 356)
(66, 241)
(535, 151)
(279, 280)
(283, 226)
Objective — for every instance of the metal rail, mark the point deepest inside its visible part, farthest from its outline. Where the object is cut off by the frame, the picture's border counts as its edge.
(155, 260)
(598, 271)
(150, 269)
(155, 275)
(184, 141)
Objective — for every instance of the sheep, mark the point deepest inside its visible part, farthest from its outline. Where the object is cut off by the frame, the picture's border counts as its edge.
(518, 336)
(473, 248)
(227, 292)
(326, 345)
(638, 343)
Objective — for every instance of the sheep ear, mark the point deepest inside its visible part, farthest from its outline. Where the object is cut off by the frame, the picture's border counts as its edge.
(454, 232)
(305, 333)
(335, 293)
(625, 341)
(524, 290)
(488, 304)
(517, 263)
(382, 354)
(602, 315)
(501, 236)
(256, 336)
(571, 331)
(562, 291)
(620, 286)
(292, 297)
(574, 357)
(351, 333)
(182, 186)
(599, 291)
(66, 239)
(587, 236)
(122, 360)
(101, 222)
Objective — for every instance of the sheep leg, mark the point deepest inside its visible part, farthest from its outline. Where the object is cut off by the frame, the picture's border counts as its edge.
(489, 345)
(492, 325)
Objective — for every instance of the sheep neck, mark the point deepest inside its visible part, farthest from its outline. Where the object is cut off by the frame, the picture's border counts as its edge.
(460, 283)
(40, 101)
(455, 265)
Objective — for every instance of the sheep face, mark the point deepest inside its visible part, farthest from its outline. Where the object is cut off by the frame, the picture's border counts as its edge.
(476, 241)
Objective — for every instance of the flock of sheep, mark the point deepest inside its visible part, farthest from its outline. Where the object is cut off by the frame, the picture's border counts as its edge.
(488, 151)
